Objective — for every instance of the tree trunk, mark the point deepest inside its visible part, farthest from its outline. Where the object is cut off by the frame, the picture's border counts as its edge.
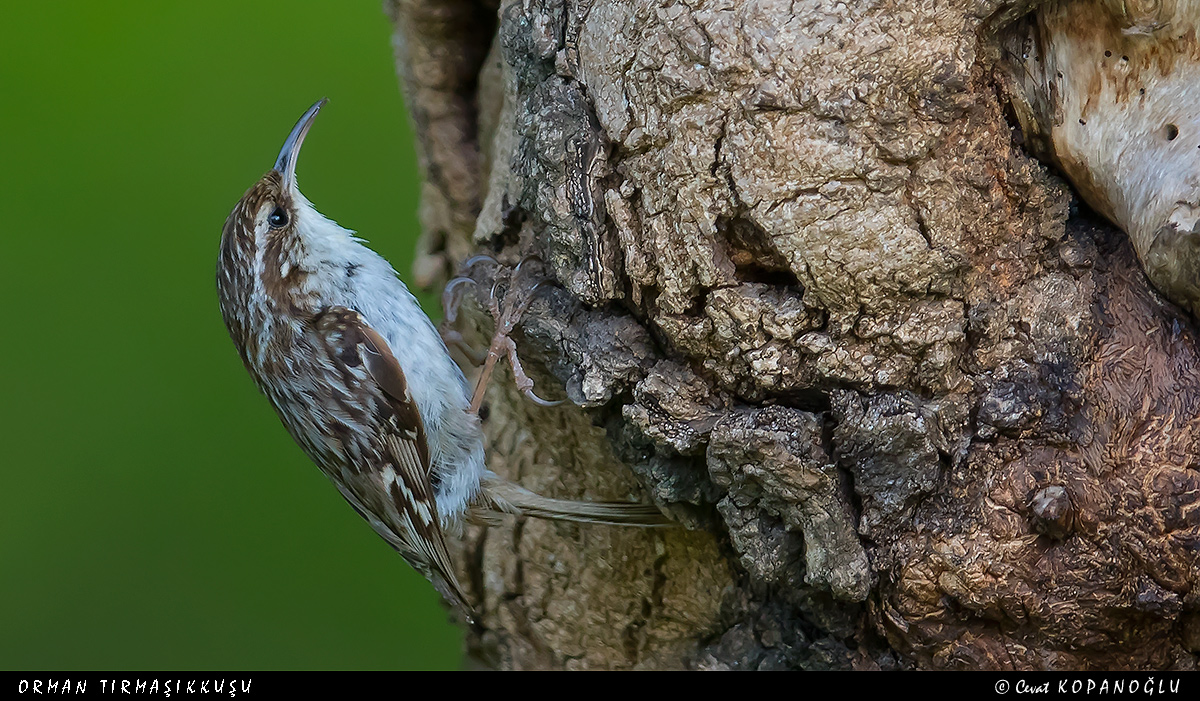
(814, 300)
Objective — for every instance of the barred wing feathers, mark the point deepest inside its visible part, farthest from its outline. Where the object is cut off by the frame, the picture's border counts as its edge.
(394, 485)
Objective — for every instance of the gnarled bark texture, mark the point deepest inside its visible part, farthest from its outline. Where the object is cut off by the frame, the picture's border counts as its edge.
(814, 300)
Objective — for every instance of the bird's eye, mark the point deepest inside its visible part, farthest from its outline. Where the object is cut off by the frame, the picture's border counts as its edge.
(278, 218)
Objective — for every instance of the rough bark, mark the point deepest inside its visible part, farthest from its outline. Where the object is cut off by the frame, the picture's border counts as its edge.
(814, 300)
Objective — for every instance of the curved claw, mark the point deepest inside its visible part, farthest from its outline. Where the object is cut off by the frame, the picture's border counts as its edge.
(533, 291)
(450, 302)
(542, 402)
(526, 259)
(477, 259)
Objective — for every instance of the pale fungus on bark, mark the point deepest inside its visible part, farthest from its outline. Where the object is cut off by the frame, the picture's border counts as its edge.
(1111, 89)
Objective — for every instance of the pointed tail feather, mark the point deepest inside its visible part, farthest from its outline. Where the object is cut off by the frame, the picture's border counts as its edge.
(507, 497)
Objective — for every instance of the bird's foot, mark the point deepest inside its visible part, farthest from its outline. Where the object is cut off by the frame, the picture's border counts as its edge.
(510, 295)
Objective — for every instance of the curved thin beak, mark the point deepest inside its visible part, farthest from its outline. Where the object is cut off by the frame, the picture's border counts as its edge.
(286, 163)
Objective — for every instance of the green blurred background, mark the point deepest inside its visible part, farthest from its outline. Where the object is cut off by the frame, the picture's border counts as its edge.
(154, 513)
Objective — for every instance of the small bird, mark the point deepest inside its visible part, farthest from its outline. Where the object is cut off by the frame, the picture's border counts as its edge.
(362, 379)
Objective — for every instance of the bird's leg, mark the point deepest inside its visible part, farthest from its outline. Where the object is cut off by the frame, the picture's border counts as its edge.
(516, 300)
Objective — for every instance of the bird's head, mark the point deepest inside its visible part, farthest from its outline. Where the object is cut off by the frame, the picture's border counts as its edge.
(273, 207)
(270, 232)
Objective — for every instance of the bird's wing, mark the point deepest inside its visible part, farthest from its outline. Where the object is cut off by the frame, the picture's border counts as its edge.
(397, 482)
